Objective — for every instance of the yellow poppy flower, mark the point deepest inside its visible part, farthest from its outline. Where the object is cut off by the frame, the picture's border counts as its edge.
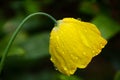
(73, 43)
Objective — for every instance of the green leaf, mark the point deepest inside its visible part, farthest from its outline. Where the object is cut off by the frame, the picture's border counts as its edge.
(15, 48)
(41, 75)
(16, 51)
(36, 46)
(64, 77)
(117, 76)
(89, 7)
(106, 25)
(32, 7)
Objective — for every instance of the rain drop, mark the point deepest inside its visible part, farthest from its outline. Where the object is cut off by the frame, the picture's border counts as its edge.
(76, 58)
(101, 45)
(65, 68)
(85, 30)
(71, 55)
(71, 71)
(84, 53)
(93, 51)
(79, 19)
(82, 65)
(63, 52)
(56, 69)
(99, 50)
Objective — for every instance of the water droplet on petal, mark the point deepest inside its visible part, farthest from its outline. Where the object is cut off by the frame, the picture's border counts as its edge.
(63, 52)
(93, 51)
(82, 66)
(101, 45)
(99, 50)
(65, 68)
(85, 30)
(51, 59)
(76, 58)
(84, 53)
(56, 69)
(79, 19)
(72, 71)
(71, 55)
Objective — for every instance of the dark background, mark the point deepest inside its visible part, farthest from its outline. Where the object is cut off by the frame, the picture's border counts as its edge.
(28, 59)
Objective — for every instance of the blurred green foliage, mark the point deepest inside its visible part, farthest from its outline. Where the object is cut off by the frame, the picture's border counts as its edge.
(29, 58)
(117, 76)
(105, 25)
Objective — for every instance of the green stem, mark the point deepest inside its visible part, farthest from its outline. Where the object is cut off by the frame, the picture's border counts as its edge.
(15, 34)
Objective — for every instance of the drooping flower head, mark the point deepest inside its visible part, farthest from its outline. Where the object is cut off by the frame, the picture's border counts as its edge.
(73, 43)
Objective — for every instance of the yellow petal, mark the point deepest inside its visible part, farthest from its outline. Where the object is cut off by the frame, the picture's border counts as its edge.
(73, 44)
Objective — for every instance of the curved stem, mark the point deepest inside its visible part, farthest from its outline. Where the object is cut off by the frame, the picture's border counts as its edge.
(15, 34)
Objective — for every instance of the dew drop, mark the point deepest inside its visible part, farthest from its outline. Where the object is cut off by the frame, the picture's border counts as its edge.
(76, 58)
(56, 69)
(71, 71)
(93, 51)
(99, 50)
(85, 30)
(63, 52)
(71, 55)
(65, 68)
(51, 59)
(79, 19)
(101, 45)
(84, 53)
(82, 66)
